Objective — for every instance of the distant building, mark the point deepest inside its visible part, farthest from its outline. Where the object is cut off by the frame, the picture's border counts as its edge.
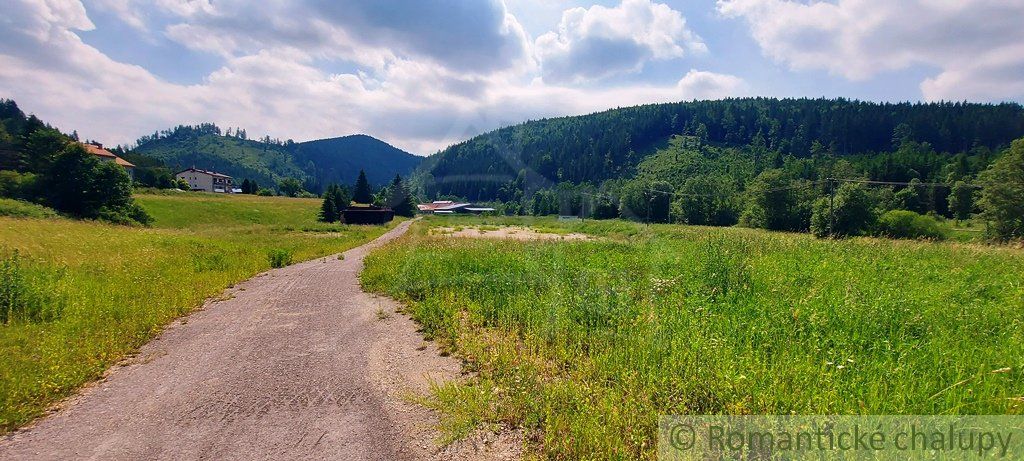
(367, 214)
(96, 149)
(208, 181)
(450, 207)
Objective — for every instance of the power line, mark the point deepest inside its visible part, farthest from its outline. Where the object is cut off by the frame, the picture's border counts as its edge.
(897, 183)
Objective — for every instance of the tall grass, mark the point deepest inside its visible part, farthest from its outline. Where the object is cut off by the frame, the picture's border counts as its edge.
(584, 343)
(85, 294)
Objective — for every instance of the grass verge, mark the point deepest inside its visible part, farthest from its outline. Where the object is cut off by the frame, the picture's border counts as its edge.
(83, 295)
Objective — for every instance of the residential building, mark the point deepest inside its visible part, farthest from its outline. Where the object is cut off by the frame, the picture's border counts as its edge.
(208, 181)
(96, 149)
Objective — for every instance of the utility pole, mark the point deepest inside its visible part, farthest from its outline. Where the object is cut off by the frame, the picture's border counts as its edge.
(831, 206)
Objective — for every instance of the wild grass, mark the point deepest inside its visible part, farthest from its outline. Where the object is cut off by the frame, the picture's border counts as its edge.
(585, 343)
(22, 209)
(86, 294)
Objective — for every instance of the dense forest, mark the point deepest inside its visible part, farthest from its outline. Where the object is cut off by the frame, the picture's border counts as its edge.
(269, 161)
(610, 144)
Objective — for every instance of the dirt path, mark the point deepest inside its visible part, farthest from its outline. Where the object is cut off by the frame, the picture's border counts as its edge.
(299, 363)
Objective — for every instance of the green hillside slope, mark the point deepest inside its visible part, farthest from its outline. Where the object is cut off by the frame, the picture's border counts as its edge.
(316, 163)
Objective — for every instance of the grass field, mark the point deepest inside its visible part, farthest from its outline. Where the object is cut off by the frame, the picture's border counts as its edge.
(583, 344)
(87, 294)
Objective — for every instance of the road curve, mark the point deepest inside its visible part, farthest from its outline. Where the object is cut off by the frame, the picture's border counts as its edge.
(297, 363)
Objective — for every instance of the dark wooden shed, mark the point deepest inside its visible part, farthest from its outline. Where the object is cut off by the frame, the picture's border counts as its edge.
(367, 215)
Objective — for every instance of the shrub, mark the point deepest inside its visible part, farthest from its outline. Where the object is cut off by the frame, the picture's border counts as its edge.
(17, 185)
(279, 258)
(265, 193)
(910, 225)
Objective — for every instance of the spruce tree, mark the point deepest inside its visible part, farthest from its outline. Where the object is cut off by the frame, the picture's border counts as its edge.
(329, 209)
(400, 199)
(362, 192)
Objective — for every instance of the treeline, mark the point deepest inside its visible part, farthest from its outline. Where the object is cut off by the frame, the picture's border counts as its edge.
(905, 193)
(611, 144)
(191, 131)
(40, 164)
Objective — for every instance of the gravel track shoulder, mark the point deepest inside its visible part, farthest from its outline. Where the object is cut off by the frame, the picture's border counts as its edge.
(296, 363)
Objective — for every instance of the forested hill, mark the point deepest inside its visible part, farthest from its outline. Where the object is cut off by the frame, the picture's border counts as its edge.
(340, 159)
(607, 145)
(267, 161)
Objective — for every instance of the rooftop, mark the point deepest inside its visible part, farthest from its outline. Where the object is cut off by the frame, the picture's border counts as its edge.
(98, 150)
(211, 173)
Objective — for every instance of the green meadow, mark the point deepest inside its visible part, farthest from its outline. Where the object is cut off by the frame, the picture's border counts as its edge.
(583, 344)
(78, 296)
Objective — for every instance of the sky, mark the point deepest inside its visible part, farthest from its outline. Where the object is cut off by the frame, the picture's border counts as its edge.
(423, 74)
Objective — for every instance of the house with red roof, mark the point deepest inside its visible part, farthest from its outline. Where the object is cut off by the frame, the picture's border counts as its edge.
(96, 149)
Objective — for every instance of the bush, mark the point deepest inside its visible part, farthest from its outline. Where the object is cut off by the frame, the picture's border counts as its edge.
(903, 224)
(279, 258)
(17, 185)
(265, 193)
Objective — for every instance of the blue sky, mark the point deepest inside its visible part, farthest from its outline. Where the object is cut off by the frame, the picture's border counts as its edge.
(424, 74)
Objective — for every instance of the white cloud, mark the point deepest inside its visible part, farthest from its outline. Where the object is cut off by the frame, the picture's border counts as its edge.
(276, 86)
(975, 44)
(599, 42)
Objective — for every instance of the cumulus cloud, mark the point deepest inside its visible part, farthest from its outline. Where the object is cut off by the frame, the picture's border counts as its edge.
(975, 44)
(600, 42)
(419, 100)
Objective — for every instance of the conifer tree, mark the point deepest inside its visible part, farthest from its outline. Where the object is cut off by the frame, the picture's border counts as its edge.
(362, 192)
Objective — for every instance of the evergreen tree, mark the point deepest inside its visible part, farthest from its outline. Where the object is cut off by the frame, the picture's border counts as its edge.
(362, 192)
(329, 209)
(400, 199)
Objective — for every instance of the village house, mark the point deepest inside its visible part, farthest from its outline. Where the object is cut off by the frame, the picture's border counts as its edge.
(208, 181)
(96, 149)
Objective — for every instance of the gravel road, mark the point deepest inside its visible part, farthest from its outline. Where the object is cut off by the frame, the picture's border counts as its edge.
(296, 363)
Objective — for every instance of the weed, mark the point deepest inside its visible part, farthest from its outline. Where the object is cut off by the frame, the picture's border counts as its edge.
(31, 296)
(279, 257)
